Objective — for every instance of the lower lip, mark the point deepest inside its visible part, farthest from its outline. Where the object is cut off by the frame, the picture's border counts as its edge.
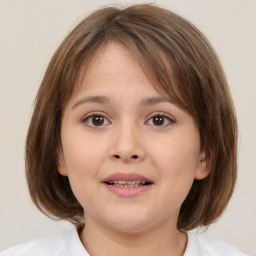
(128, 192)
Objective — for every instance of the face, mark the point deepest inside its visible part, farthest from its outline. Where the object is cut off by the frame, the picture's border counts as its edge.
(131, 155)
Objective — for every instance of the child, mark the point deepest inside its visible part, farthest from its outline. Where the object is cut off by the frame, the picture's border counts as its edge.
(133, 138)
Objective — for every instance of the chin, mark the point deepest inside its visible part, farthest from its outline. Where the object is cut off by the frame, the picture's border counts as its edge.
(130, 223)
(134, 228)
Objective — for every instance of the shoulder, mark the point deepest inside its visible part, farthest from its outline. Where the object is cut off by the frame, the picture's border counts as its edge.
(202, 245)
(52, 245)
(66, 244)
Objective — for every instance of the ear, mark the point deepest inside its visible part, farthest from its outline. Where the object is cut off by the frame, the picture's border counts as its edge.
(203, 167)
(61, 163)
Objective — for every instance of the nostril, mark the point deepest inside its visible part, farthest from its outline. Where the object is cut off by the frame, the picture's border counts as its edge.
(131, 157)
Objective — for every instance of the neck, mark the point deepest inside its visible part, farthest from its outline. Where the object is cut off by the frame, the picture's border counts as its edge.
(163, 240)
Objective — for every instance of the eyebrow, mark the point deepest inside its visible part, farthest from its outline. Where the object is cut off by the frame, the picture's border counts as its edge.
(103, 100)
(149, 101)
(92, 99)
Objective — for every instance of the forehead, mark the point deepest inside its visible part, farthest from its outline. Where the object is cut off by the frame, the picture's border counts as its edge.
(113, 63)
(113, 66)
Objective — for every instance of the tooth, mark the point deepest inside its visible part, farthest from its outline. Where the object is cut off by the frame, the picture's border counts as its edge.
(130, 182)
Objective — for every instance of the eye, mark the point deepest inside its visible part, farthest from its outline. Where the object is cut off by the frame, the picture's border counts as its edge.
(160, 120)
(96, 120)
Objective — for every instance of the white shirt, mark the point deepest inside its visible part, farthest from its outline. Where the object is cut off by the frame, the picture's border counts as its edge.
(69, 244)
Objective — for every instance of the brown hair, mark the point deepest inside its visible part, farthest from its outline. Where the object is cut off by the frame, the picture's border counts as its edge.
(172, 52)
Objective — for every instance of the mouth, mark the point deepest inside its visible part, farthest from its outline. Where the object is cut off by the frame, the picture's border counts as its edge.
(127, 184)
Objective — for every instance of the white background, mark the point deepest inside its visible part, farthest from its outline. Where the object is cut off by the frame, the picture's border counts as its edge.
(31, 30)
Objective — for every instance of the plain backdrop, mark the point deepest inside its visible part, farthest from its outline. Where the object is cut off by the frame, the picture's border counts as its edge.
(31, 30)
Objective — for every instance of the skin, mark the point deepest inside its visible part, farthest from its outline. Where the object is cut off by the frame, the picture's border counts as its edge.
(168, 154)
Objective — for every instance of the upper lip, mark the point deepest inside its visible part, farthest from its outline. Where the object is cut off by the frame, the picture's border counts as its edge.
(127, 177)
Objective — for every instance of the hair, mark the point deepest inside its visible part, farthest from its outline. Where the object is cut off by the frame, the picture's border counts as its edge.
(181, 63)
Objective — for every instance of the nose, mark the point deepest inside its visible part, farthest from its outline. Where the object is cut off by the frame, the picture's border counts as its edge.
(127, 145)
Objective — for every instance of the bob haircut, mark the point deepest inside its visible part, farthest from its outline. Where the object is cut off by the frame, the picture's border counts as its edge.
(180, 63)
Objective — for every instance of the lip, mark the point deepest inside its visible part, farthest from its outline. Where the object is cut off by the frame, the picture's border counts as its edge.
(127, 191)
(126, 176)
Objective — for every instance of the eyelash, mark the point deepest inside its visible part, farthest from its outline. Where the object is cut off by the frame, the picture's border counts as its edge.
(160, 114)
(164, 115)
(85, 120)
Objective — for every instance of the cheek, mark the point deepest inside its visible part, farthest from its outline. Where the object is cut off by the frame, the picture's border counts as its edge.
(176, 154)
(83, 157)
(176, 160)
(82, 153)
(82, 165)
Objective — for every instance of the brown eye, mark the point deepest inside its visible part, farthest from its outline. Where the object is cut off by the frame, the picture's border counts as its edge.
(96, 120)
(160, 120)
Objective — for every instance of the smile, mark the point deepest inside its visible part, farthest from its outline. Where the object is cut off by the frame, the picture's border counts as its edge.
(127, 184)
